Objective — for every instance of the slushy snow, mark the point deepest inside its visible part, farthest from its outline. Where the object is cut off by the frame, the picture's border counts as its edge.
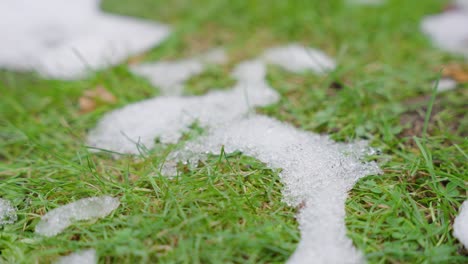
(449, 30)
(7, 212)
(67, 39)
(170, 76)
(58, 219)
(316, 172)
(460, 225)
(81, 257)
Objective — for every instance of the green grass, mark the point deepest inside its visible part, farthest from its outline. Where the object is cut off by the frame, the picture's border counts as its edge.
(229, 210)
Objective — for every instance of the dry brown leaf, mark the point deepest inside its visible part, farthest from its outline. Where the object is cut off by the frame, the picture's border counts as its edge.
(456, 71)
(91, 99)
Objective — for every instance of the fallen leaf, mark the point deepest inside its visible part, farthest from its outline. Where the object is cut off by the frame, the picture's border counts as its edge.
(91, 99)
(456, 71)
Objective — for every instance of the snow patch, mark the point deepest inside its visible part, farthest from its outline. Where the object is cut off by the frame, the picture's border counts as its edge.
(297, 58)
(446, 84)
(57, 220)
(7, 212)
(170, 76)
(167, 117)
(67, 39)
(449, 30)
(81, 257)
(316, 172)
(460, 225)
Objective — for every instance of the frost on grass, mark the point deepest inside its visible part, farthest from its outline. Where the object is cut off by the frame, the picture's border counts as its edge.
(81, 257)
(66, 39)
(460, 225)
(167, 117)
(297, 58)
(56, 220)
(316, 172)
(7, 212)
(449, 30)
(170, 76)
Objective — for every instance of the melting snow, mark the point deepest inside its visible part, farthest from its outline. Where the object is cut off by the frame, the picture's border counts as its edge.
(170, 76)
(82, 257)
(460, 225)
(167, 117)
(449, 30)
(316, 172)
(56, 220)
(446, 84)
(66, 39)
(297, 58)
(7, 212)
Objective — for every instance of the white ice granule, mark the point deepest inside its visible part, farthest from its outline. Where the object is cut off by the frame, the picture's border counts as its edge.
(167, 117)
(297, 58)
(56, 220)
(170, 76)
(460, 225)
(7, 212)
(449, 30)
(67, 39)
(316, 172)
(81, 257)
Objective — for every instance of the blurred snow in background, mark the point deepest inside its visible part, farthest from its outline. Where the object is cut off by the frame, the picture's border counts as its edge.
(67, 39)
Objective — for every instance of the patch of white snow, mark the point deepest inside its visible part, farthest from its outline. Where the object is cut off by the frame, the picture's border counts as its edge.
(446, 84)
(67, 39)
(7, 212)
(167, 117)
(58, 219)
(449, 30)
(81, 257)
(297, 58)
(316, 172)
(170, 76)
(460, 225)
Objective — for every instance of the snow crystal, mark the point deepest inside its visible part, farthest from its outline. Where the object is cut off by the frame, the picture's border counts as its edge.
(167, 117)
(60, 218)
(170, 76)
(81, 257)
(297, 58)
(316, 172)
(449, 30)
(7, 212)
(460, 225)
(66, 39)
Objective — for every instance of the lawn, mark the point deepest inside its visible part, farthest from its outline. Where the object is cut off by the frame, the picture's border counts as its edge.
(230, 209)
